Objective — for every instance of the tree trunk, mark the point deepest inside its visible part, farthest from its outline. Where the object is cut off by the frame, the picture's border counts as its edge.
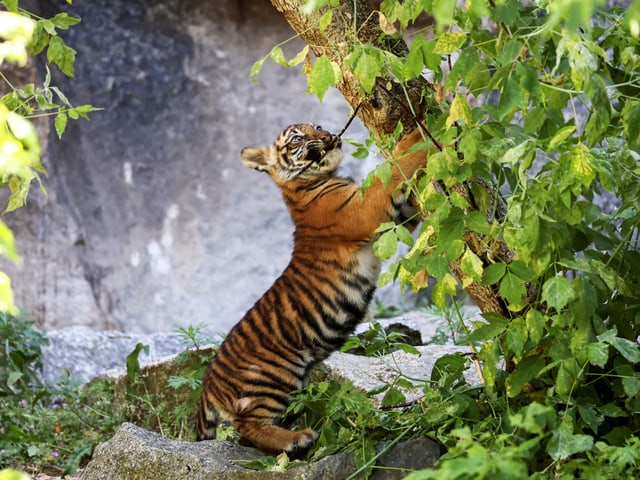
(389, 102)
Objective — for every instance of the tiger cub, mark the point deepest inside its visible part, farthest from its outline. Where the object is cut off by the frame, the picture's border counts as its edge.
(318, 299)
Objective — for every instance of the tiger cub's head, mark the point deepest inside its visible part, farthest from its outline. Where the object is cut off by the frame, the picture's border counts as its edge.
(301, 151)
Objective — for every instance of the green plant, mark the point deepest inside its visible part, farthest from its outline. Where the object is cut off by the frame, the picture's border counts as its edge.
(532, 113)
(44, 426)
(20, 356)
(169, 411)
(454, 328)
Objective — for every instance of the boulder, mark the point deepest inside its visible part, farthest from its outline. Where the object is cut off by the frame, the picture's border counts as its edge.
(134, 453)
(86, 353)
(369, 373)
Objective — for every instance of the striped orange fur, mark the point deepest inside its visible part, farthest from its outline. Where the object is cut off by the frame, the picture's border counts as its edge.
(318, 299)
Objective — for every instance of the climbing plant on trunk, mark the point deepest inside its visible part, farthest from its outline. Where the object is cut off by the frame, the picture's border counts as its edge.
(530, 194)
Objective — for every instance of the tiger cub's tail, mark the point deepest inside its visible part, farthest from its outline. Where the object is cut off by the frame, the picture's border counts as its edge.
(206, 422)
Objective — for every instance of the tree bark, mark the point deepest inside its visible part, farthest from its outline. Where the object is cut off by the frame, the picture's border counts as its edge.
(388, 104)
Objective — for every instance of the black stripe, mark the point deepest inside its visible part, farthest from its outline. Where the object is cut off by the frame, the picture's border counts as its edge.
(346, 202)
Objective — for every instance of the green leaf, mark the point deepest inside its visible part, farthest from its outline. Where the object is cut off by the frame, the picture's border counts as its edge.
(581, 164)
(535, 321)
(511, 97)
(60, 123)
(443, 12)
(386, 246)
(393, 397)
(564, 443)
(557, 292)
(33, 450)
(510, 52)
(470, 69)
(629, 349)
(368, 68)
(7, 243)
(12, 5)
(598, 353)
(448, 370)
(506, 12)
(133, 363)
(631, 122)
(39, 39)
(600, 116)
(256, 68)
(568, 373)
(526, 370)
(384, 171)
(63, 21)
(493, 273)
(512, 289)
(515, 155)
(61, 55)
(321, 77)
(516, 336)
(415, 61)
(495, 326)
(404, 235)
(277, 56)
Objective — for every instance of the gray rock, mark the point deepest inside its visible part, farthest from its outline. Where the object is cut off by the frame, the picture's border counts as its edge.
(368, 373)
(87, 353)
(134, 453)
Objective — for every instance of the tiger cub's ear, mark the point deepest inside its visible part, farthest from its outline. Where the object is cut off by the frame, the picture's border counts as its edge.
(256, 158)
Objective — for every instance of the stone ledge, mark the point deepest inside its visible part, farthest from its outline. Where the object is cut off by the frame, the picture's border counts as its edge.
(134, 453)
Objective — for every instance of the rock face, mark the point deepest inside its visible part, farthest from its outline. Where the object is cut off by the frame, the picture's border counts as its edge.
(151, 222)
(134, 453)
(87, 353)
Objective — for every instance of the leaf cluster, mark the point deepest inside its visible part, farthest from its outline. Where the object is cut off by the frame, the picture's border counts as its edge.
(531, 189)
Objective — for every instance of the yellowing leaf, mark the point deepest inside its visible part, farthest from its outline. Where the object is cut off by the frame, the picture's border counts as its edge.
(325, 20)
(449, 42)
(6, 295)
(561, 135)
(581, 165)
(472, 266)
(459, 110)
(446, 286)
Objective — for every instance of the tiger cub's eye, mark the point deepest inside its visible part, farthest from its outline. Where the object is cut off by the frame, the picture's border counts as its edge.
(296, 139)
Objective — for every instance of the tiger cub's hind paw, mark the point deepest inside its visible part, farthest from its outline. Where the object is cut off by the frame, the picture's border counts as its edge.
(303, 441)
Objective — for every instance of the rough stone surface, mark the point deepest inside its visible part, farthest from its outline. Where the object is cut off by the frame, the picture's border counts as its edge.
(136, 454)
(151, 222)
(86, 353)
(368, 373)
